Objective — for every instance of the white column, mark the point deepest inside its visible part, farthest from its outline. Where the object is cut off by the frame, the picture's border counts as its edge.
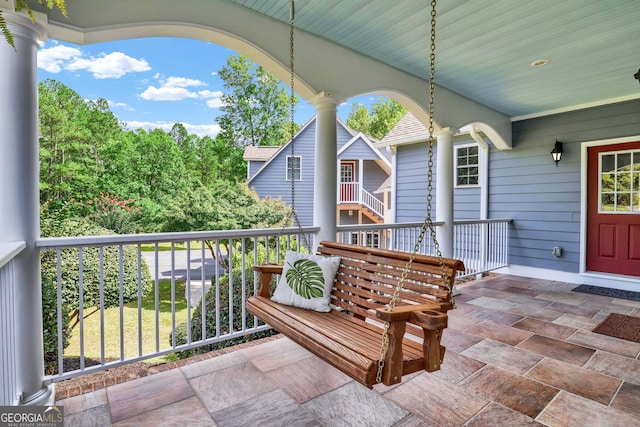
(444, 191)
(19, 198)
(325, 171)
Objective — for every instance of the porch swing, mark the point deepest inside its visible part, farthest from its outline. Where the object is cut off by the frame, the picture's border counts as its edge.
(388, 309)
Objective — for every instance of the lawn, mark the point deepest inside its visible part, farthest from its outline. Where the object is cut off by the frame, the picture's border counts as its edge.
(130, 326)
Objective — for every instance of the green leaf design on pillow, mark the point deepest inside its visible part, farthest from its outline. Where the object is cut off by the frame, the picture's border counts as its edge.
(305, 278)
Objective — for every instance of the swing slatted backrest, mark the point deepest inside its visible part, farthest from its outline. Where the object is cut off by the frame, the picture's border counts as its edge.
(367, 278)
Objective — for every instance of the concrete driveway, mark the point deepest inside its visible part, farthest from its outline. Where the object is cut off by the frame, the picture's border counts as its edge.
(183, 265)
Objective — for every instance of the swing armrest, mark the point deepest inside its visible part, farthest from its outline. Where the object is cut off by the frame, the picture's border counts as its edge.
(405, 312)
(266, 272)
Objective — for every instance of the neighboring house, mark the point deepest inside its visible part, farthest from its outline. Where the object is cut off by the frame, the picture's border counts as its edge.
(257, 156)
(362, 170)
(588, 205)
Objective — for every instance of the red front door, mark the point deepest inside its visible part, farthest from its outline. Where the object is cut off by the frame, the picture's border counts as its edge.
(613, 209)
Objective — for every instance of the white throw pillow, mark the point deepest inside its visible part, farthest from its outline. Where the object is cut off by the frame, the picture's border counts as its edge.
(306, 281)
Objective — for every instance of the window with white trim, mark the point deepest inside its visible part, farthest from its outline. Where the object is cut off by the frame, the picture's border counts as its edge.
(467, 170)
(294, 168)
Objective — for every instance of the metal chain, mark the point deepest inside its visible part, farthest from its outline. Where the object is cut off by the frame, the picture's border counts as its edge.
(292, 125)
(428, 222)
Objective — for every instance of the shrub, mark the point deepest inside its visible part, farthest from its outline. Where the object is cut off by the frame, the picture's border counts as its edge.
(50, 326)
(108, 211)
(210, 319)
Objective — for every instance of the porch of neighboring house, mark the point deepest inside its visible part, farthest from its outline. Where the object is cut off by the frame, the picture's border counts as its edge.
(520, 351)
(356, 204)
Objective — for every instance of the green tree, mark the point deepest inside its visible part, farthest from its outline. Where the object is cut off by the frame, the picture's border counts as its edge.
(255, 106)
(146, 167)
(67, 160)
(384, 115)
(188, 146)
(223, 206)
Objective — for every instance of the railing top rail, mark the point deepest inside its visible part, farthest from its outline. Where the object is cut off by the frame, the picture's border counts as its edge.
(482, 221)
(365, 227)
(10, 250)
(116, 239)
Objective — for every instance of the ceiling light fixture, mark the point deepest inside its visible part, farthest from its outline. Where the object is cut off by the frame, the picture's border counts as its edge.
(540, 62)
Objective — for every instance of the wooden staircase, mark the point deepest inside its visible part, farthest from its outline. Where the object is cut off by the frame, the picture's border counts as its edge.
(359, 209)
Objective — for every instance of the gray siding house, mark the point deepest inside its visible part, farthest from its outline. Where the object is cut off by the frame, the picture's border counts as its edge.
(362, 170)
(588, 204)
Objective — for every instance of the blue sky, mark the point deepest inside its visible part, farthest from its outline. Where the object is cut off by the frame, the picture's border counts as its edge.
(153, 82)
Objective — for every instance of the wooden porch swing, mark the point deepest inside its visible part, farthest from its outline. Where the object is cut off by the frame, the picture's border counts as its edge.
(388, 308)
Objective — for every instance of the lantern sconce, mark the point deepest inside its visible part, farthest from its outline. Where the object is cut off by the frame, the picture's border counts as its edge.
(556, 153)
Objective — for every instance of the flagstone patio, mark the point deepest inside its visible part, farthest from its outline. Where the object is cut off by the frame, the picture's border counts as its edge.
(520, 351)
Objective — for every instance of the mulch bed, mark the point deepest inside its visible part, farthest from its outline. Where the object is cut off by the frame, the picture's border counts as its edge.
(87, 383)
(620, 326)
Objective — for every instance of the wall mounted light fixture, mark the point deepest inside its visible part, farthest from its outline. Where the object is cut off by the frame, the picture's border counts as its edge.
(637, 75)
(556, 153)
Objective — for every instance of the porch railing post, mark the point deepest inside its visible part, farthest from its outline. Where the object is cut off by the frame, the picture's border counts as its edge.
(19, 198)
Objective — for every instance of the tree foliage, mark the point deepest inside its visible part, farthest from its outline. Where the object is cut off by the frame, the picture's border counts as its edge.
(384, 115)
(224, 206)
(255, 106)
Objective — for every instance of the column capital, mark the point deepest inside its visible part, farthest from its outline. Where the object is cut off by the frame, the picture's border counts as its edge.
(444, 133)
(324, 100)
(21, 25)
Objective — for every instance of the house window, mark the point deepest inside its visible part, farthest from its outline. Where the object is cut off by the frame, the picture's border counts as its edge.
(620, 182)
(373, 239)
(466, 165)
(294, 165)
(355, 238)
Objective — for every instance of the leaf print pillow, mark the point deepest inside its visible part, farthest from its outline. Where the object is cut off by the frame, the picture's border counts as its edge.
(306, 281)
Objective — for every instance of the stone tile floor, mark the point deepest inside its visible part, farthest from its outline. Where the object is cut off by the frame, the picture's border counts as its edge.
(520, 352)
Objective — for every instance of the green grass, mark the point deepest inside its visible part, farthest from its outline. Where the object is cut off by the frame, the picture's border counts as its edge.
(130, 326)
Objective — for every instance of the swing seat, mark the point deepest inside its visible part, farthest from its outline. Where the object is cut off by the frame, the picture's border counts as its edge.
(349, 337)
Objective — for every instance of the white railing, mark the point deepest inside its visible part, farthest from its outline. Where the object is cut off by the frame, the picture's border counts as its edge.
(351, 192)
(114, 268)
(373, 203)
(108, 276)
(9, 391)
(481, 244)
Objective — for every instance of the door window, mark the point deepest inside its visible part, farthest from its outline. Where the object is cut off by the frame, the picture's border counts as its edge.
(619, 190)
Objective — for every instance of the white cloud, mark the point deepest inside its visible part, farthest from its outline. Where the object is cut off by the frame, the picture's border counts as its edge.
(111, 66)
(200, 130)
(182, 82)
(52, 59)
(177, 89)
(215, 103)
(122, 105)
(165, 93)
(209, 94)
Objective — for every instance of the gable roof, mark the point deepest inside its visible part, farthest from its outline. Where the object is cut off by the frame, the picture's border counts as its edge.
(259, 153)
(409, 129)
(366, 140)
